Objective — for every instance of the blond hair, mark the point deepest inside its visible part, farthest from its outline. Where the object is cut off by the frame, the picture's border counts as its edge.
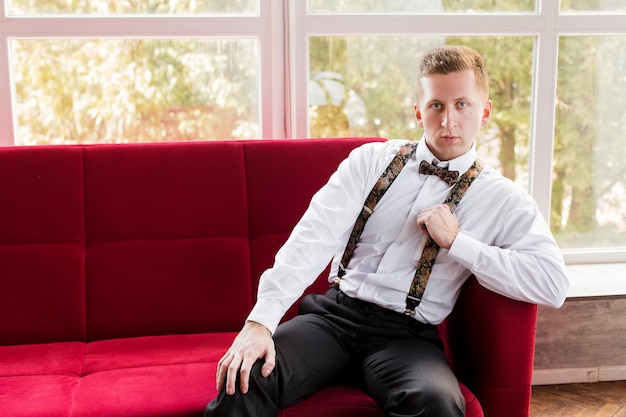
(449, 59)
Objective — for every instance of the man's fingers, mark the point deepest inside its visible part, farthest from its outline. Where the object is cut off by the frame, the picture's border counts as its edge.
(222, 368)
(270, 362)
(231, 375)
(244, 374)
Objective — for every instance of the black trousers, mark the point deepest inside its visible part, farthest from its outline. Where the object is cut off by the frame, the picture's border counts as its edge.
(335, 340)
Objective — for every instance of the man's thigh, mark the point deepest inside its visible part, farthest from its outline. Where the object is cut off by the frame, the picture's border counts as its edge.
(311, 354)
(412, 377)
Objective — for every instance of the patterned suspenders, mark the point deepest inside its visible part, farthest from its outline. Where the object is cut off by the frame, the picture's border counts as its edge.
(431, 249)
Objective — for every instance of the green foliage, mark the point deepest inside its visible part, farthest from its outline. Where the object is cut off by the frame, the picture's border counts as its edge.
(92, 91)
(589, 141)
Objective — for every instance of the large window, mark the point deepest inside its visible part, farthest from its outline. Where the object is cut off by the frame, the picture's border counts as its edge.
(351, 94)
(589, 184)
(134, 90)
(91, 72)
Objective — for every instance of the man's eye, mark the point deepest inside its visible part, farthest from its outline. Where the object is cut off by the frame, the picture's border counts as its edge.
(463, 104)
(436, 106)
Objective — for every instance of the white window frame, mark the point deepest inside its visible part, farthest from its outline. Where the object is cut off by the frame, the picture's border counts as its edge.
(283, 28)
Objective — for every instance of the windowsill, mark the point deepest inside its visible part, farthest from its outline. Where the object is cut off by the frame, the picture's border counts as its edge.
(597, 280)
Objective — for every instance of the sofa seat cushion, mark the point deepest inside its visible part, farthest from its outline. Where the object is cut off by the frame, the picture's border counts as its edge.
(150, 376)
(144, 376)
(37, 395)
(342, 401)
(42, 359)
(39, 379)
(150, 391)
(115, 354)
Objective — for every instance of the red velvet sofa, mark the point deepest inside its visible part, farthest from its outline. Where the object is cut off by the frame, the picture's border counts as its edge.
(125, 271)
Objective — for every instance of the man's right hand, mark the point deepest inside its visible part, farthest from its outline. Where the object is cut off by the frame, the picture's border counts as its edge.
(252, 343)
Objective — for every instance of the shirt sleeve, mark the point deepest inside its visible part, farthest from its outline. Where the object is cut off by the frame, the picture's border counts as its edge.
(316, 238)
(523, 262)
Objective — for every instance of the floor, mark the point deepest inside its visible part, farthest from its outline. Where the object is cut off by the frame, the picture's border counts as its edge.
(600, 399)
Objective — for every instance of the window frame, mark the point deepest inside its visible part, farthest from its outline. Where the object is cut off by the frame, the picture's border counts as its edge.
(283, 28)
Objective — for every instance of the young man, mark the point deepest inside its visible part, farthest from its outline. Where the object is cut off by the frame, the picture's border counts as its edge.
(360, 328)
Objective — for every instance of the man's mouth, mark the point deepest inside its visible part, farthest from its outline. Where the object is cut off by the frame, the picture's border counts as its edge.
(449, 138)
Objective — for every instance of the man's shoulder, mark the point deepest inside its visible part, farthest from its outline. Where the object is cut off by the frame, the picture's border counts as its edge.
(492, 184)
(389, 144)
(379, 151)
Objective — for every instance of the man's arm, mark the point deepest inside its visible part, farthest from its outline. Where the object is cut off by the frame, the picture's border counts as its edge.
(524, 264)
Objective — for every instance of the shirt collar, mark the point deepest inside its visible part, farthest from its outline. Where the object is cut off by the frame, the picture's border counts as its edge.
(461, 163)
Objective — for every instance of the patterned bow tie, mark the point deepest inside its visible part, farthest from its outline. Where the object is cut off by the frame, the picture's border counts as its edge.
(450, 177)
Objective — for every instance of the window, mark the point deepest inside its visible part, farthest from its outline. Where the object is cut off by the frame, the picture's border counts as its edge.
(351, 94)
(134, 90)
(109, 72)
(588, 192)
(145, 71)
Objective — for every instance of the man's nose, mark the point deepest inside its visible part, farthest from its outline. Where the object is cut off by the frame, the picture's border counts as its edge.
(449, 119)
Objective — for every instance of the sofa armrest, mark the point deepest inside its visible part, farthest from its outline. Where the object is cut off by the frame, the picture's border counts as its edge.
(490, 341)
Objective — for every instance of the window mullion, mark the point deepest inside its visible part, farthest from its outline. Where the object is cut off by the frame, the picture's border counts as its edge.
(542, 135)
(7, 135)
(299, 67)
(435, 24)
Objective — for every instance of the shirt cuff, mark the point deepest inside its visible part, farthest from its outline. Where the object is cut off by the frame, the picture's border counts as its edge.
(465, 250)
(266, 313)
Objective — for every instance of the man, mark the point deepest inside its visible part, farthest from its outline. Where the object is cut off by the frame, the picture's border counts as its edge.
(360, 328)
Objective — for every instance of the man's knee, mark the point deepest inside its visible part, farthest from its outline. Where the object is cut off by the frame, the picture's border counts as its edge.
(432, 401)
(260, 400)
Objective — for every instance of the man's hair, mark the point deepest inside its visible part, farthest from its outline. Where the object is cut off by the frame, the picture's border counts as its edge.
(449, 59)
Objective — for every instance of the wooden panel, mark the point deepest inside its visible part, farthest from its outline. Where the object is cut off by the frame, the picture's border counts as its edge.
(582, 333)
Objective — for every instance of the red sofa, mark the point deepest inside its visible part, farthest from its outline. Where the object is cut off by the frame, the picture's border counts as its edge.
(125, 271)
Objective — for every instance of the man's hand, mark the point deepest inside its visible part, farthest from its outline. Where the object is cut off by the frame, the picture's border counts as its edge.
(440, 223)
(252, 343)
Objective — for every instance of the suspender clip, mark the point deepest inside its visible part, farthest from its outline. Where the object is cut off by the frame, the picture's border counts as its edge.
(341, 271)
(411, 304)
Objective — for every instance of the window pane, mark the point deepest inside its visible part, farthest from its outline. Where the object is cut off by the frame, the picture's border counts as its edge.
(589, 187)
(92, 91)
(97, 7)
(364, 86)
(593, 5)
(421, 6)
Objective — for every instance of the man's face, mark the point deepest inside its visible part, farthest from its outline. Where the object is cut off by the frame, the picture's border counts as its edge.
(451, 111)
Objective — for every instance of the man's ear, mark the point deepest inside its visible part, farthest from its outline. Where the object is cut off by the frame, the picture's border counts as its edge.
(486, 113)
(418, 116)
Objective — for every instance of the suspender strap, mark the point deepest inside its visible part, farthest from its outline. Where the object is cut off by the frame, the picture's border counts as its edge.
(431, 249)
(381, 186)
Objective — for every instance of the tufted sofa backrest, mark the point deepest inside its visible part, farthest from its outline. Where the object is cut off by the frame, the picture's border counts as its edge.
(107, 241)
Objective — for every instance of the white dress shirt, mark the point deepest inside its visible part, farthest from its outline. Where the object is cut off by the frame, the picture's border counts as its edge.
(503, 240)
